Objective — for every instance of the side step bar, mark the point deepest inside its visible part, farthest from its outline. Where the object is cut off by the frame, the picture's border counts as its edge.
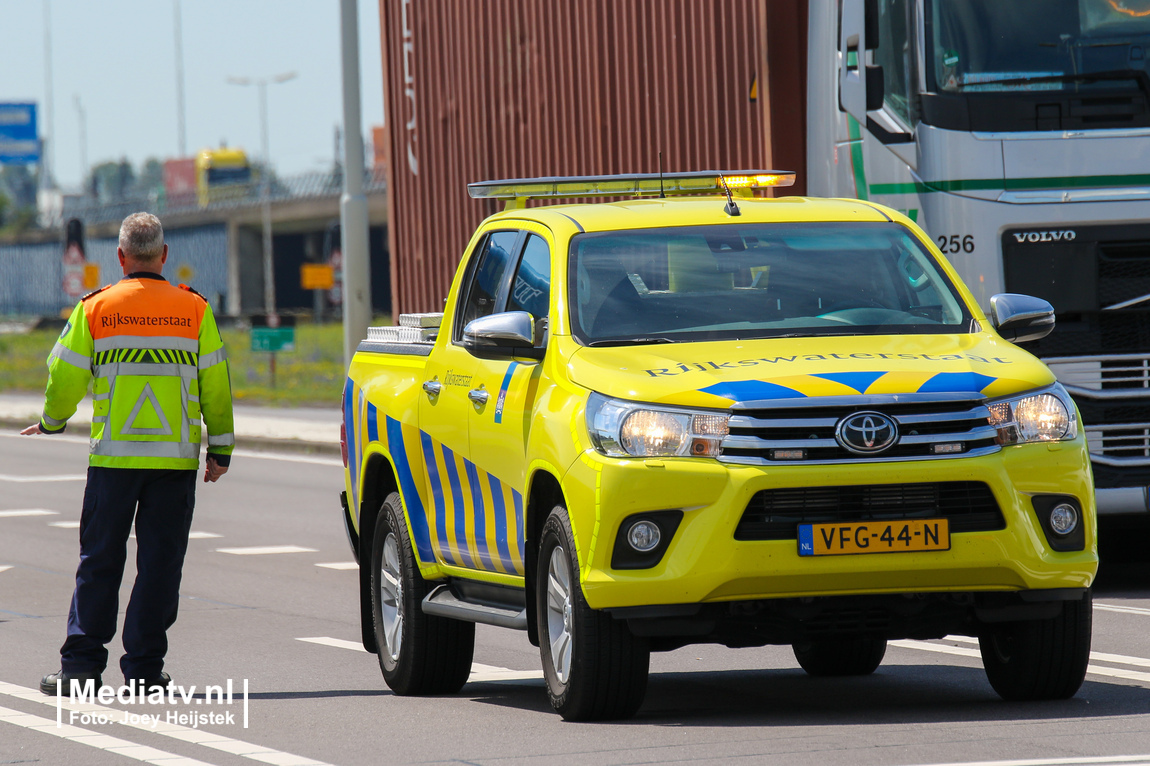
(495, 605)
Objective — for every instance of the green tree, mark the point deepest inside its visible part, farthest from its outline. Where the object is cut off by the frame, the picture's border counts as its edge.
(151, 177)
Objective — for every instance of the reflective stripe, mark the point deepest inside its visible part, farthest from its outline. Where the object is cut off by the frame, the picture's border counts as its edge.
(222, 440)
(146, 370)
(146, 341)
(99, 397)
(212, 359)
(65, 354)
(146, 449)
(50, 421)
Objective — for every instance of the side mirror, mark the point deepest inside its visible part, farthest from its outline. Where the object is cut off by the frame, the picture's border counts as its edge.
(508, 331)
(1019, 318)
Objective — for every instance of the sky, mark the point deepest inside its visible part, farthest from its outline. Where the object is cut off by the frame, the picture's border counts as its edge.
(118, 57)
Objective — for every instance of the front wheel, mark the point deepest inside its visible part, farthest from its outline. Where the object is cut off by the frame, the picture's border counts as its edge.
(859, 656)
(418, 653)
(594, 667)
(1039, 659)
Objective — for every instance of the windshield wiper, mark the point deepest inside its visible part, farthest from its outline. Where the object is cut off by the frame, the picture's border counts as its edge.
(629, 341)
(1137, 75)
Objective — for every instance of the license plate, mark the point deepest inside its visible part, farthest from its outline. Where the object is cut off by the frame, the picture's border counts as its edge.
(874, 537)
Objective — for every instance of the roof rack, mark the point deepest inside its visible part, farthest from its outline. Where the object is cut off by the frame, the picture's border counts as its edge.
(740, 182)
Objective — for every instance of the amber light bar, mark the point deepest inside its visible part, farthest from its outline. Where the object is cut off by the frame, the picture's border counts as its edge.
(643, 184)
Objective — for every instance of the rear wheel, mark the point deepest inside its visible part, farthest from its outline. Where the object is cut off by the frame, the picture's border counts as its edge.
(594, 667)
(1039, 659)
(858, 656)
(418, 654)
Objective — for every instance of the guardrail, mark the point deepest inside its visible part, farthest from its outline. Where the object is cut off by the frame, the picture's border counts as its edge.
(221, 197)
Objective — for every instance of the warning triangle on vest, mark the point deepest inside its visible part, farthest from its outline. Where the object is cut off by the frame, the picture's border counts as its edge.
(140, 421)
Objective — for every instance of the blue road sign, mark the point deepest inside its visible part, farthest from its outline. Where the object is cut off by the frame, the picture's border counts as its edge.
(19, 139)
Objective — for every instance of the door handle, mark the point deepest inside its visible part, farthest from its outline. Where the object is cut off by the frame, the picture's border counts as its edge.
(432, 388)
(478, 395)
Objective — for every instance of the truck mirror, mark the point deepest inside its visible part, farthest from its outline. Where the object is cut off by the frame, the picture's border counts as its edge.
(508, 330)
(1019, 318)
(874, 88)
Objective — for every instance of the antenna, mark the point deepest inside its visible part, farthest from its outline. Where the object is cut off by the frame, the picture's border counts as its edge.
(730, 208)
(661, 194)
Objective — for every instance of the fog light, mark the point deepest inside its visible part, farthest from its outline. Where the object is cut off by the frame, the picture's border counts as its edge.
(644, 536)
(1063, 518)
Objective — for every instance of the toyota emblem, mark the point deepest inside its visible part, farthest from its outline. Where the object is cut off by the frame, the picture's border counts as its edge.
(866, 433)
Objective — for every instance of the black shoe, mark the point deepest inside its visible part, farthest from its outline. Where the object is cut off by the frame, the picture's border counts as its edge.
(51, 683)
(162, 682)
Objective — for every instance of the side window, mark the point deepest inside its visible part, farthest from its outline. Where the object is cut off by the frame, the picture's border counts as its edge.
(893, 55)
(531, 290)
(487, 277)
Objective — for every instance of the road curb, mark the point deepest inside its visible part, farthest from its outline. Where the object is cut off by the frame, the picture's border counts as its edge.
(258, 443)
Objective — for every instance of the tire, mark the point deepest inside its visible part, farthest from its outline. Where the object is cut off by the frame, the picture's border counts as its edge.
(858, 656)
(418, 653)
(595, 669)
(1039, 659)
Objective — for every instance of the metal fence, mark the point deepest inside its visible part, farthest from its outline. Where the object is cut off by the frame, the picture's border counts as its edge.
(32, 276)
(221, 197)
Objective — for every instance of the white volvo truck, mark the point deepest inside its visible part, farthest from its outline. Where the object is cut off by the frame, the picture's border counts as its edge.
(1017, 133)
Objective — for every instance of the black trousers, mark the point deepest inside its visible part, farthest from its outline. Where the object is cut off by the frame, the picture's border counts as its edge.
(161, 502)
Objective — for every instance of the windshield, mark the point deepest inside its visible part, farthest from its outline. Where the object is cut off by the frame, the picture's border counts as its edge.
(229, 175)
(757, 281)
(1037, 45)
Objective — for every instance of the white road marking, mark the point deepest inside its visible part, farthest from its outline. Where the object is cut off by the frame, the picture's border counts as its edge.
(1082, 760)
(94, 739)
(162, 728)
(289, 458)
(28, 512)
(338, 643)
(1098, 670)
(1121, 609)
(65, 524)
(32, 479)
(202, 535)
(5, 568)
(266, 549)
(340, 565)
(480, 673)
(1121, 659)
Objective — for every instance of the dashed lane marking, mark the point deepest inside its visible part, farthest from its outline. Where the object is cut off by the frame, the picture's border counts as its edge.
(480, 673)
(32, 479)
(94, 739)
(65, 524)
(28, 512)
(1121, 659)
(265, 550)
(5, 568)
(1082, 760)
(202, 535)
(1098, 670)
(1121, 609)
(134, 750)
(290, 458)
(340, 565)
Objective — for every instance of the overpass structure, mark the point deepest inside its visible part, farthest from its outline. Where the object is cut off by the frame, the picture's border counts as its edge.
(216, 248)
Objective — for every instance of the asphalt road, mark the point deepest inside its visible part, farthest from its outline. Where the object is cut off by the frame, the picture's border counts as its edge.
(286, 623)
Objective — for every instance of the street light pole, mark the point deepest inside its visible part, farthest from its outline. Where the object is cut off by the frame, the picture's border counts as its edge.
(353, 204)
(265, 182)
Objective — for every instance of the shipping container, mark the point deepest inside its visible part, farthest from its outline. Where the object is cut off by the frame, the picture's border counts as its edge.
(477, 91)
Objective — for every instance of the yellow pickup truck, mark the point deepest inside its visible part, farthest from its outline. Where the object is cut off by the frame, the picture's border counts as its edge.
(701, 415)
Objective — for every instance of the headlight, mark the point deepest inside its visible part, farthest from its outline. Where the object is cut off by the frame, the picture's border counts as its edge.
(1047, 416)
(627, 429)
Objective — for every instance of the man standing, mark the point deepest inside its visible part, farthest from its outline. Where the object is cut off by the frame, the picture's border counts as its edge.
(158, 363)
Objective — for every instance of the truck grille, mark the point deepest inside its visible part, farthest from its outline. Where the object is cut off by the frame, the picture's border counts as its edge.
(803, 431)
(1113, 394)
(774, 514)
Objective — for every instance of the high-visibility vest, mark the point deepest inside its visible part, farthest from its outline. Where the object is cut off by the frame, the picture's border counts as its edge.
(158, 364)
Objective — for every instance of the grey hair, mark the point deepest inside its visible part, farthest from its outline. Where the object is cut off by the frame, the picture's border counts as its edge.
(142, 237)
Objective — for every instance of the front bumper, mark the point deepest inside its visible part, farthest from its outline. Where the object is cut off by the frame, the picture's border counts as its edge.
(704, 563)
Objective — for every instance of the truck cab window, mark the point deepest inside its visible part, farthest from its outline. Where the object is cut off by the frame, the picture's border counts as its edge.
(893, 55)
(487, 279)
